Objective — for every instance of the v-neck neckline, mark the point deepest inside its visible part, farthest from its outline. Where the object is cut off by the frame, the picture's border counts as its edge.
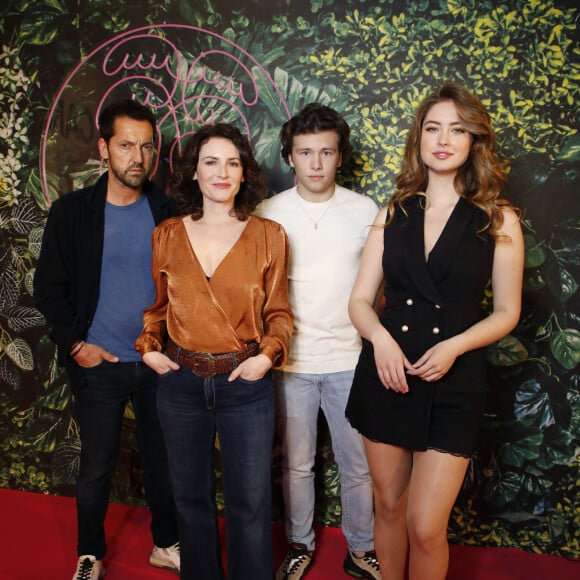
(440, 241)
(427, 273)
(206, 276)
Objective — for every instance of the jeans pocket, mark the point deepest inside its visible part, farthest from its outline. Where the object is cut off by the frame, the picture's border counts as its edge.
(249, 382)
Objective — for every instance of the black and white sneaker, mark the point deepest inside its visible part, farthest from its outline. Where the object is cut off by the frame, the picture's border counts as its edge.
(89, 568)
(166, 558)
(367, 566)
(297, 562)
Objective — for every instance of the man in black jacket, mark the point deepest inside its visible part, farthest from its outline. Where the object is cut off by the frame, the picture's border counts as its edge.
(92, 283)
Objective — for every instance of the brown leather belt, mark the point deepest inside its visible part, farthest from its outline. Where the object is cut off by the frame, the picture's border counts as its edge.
(207, 365)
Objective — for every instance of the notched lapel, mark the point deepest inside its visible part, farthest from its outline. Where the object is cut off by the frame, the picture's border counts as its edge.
(415, 250)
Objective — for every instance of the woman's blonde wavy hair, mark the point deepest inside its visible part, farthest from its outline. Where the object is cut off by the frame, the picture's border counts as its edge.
(481, 179)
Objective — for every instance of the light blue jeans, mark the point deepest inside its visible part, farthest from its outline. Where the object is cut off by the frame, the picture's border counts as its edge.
(299, 398)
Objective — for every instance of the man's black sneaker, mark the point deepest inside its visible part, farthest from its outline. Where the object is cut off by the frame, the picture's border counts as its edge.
(297, 562)
(367, 566)
(89, 568)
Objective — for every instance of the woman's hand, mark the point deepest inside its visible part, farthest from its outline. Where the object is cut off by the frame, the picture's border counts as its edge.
(159, 362)
(391, 364)
(252, 369)
(435, 363)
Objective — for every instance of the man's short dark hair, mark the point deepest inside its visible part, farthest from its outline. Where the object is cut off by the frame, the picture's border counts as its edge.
(124, 108)
(314, 118)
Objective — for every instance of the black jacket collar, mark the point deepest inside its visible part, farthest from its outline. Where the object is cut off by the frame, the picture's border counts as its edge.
(160, 204)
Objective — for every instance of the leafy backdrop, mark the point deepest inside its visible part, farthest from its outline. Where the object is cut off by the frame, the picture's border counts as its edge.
(374, 60)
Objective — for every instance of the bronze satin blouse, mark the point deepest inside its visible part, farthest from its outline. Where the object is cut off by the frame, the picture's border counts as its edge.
(245, 300)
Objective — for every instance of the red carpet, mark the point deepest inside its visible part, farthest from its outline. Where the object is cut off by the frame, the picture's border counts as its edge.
(39, 538)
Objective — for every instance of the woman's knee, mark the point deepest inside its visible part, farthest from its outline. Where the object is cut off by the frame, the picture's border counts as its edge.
(389, 506)
(425, 532)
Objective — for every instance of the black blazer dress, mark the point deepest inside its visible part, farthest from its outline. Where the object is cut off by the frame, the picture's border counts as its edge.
(426, 302)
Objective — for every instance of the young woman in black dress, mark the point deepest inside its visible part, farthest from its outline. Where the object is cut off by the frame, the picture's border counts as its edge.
(419, 388)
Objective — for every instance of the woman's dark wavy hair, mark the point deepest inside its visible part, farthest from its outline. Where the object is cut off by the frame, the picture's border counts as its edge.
(481, 179)
(185, 191)
(315, 118)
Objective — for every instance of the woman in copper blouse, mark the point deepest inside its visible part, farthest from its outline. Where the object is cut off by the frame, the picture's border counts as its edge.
(220, 322)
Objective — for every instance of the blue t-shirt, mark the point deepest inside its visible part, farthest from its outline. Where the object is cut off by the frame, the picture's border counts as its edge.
(126, 287)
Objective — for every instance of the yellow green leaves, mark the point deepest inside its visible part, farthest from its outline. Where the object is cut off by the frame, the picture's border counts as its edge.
(521, 61)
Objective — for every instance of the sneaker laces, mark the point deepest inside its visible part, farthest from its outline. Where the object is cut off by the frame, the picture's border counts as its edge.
(85, 569)
(174, 555)
(173, 548)
(294, 559)
(170, 554)
(370, 558)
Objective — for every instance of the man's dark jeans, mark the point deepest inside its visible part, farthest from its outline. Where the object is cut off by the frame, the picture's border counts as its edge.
(101, 394)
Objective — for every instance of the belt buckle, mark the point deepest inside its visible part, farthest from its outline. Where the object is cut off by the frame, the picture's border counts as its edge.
(204, 365)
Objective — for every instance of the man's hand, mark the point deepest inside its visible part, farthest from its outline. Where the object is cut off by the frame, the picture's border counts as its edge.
(92, 355)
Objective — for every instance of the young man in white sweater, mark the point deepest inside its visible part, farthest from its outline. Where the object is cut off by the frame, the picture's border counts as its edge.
(327, 226)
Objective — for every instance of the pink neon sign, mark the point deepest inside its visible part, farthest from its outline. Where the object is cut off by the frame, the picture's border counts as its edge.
(188, 75)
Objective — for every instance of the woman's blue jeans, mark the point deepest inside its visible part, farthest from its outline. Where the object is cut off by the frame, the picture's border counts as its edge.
(192, 410)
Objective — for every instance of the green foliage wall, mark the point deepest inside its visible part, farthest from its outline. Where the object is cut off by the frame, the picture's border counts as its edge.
(374, 60)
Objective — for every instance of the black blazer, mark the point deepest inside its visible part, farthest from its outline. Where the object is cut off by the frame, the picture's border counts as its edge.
(430, 300)
(68, 273)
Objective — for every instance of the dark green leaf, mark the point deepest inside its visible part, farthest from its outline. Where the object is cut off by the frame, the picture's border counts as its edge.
(65, 464)
(565, 346)
(522, 450)
(534, 281)
(57, 399)
(45, 434)
(506, 352)
(9, 373)
(571, 149)
(560, 281)
(557, 450)
(505, 489)
(269, 96)
(532, 402)
(535, 254)
(41, 24)
(535, 486)
(267, 147)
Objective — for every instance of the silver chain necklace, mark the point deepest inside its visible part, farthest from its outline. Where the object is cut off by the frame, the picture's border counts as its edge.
(316, 221)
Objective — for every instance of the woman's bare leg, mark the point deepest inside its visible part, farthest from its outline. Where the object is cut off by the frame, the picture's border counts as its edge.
(435, 483)
(390, 469)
